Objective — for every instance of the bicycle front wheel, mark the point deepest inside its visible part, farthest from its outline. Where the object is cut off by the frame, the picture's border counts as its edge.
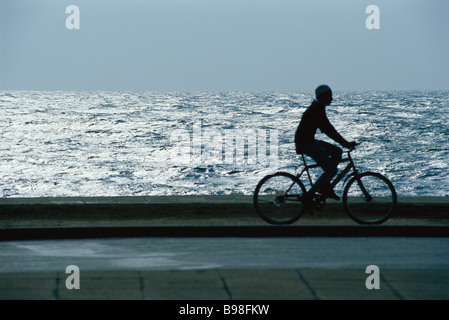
(369, 198)
(277, 198)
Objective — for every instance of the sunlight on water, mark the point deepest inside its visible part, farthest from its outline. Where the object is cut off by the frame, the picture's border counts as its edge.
(143, 143)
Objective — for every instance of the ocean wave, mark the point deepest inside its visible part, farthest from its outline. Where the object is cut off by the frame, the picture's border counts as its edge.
(118, 144)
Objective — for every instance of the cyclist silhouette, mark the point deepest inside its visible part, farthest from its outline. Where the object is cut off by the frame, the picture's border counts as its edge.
(326, 155)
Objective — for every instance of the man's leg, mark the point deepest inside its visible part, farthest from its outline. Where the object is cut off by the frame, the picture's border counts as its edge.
(335, 154)
(327, 157)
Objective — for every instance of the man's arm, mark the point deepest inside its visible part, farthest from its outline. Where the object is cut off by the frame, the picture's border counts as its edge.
(328, 129)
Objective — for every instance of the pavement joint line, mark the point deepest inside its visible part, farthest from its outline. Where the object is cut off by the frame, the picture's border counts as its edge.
(142, 287)
(225, 285)
(307, 284)
(391, 287)
(56, 290)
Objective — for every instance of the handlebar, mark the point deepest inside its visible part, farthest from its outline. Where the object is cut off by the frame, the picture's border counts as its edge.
(353, 147)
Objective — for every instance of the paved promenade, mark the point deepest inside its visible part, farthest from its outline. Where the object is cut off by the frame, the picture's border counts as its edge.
(184, 213)
(277, 284)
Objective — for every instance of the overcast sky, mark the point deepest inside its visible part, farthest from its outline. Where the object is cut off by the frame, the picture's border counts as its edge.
(224, 45)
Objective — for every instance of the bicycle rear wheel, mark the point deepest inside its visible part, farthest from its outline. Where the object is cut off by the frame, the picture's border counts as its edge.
(370, 198)
(277, 198)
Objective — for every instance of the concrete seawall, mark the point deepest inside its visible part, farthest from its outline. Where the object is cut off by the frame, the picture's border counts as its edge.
(190, 210)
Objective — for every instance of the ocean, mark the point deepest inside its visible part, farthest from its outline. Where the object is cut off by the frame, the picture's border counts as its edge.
(69, 144)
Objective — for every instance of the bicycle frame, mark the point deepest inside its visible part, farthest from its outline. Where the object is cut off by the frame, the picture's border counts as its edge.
(342, 174)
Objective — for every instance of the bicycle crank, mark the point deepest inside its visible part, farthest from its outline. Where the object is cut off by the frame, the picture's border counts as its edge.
(320, 202)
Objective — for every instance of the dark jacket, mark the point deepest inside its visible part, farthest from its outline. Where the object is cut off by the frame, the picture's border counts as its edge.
(312, 119)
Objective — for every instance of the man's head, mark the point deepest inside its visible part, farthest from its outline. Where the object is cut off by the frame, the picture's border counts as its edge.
(324, 94)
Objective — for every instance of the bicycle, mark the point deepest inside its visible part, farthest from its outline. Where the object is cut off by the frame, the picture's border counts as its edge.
(369, 198)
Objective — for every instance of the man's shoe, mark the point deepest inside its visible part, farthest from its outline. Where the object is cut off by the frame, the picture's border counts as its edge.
(333, 195)
(330, 193)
